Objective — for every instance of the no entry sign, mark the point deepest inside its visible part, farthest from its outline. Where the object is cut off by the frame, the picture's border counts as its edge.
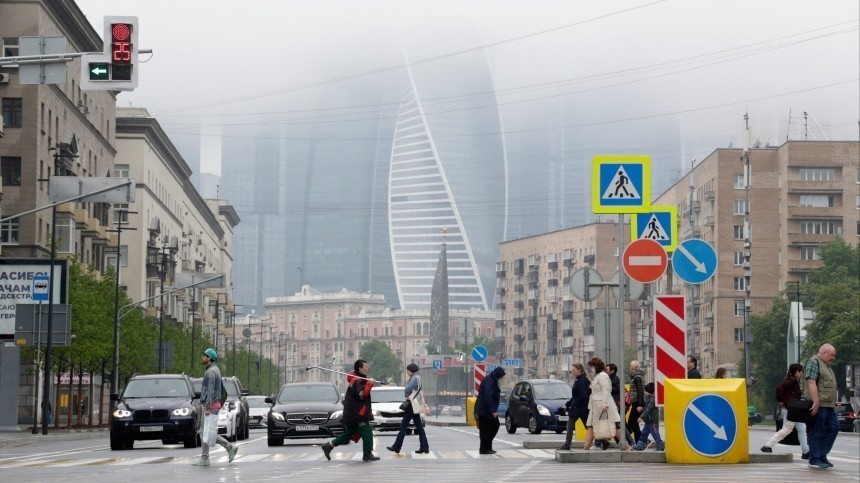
(645, 260)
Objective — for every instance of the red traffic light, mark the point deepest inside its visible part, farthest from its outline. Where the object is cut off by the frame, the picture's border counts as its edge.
(120, 46)
(120, 32)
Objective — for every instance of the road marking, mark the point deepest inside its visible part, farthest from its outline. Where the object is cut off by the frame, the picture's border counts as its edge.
(538, 453)
(253, 458)
(451, 455)
(138, 461)
(82, 462)
(423, 456)
(511, 453)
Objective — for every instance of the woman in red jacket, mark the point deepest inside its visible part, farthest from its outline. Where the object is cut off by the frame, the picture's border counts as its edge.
(788, 389)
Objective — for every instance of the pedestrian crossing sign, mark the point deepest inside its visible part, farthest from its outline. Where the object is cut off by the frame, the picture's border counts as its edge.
(620, 184)
(660, 224)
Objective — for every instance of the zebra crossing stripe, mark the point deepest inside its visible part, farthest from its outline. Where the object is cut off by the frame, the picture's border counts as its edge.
(424, 456)
(511, 453)
(537, 453)
(477, 454)
(451, 455)
(251, 458)
(139, 461)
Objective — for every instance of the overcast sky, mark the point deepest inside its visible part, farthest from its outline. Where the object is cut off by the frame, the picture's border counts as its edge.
(697, 65)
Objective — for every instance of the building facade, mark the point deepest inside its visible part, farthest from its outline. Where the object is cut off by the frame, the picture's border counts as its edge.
(802, 194)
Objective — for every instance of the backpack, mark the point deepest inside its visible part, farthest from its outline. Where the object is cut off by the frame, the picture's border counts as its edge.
(223, 393)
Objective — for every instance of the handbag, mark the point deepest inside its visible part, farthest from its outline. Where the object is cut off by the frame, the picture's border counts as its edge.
(417, 402)
(405, 404)
(797, 410)
(603, 428)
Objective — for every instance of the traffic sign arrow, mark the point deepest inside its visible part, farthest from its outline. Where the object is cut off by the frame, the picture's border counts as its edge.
(719, 432)
(99, 71)
(700, 267)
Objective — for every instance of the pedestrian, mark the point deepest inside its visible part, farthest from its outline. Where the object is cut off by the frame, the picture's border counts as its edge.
(637, 400)
(821, 389)
(577, 406)
(789, 389)
(487, 410)
(612, 372)
(413, 412)
(600, 402)
(721, 373)
(693, 368)
(210, 399)
(650, 418)
(357, 412)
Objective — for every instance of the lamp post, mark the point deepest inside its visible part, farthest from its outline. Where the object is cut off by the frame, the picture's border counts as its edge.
(165, 257)
(121, 222)
(217, 304)
(796, 326)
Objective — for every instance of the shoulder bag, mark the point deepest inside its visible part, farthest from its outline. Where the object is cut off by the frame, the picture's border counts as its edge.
(797, 410)
(417, 401)
(603, 428)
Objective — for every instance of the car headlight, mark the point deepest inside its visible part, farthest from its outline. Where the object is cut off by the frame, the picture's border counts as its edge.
(223, 415)
(182, 411)
(122, 413)
(277, 416)
(375, 413)
(543, 410)
(339, 414)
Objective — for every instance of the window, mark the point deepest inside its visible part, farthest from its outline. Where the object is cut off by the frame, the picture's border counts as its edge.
(10, 46)
(120, 171)
(738, 232)
(9, 232)
(123, 257)
(820, 227)
(809, 253)
(738, 259)
(740, 207)
(739, 182)
(65, 234)
(12, 112)
(739, 308)
(817, 174)
(816, 201)
(119, 215)
(740, 284)
(10, 169)
(739, 335)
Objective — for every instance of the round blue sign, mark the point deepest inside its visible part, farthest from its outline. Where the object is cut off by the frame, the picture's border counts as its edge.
(710, 425)
(479, 353)
(694, 261)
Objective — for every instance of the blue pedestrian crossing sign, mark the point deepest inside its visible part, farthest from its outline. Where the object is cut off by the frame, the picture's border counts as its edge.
(620, 184)
(479, 353)
(438, 363)
(660, 224)
(710, 425)
(694, 261)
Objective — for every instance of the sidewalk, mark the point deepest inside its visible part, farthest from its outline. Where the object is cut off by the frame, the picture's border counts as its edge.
(25, 436)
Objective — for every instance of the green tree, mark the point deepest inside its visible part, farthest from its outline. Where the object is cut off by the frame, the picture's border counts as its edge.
(385, 366)
(768, 353)
(833, 291)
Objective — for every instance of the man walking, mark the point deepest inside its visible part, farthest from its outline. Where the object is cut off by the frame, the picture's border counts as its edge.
(357, 412)
(487, 410)
(821, 389)
(693, 368)
(210, 398)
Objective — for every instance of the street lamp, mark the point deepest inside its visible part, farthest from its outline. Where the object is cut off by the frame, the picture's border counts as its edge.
(163, 257)
(217, 305)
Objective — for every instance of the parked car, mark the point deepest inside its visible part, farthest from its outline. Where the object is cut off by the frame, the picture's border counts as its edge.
(258, 410)
(503, 407)
(846, 416)
(386, 408)
(233, 416)
(535, 404)
(156, 406)
(304, 410)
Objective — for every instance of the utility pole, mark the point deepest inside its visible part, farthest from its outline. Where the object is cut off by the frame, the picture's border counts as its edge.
(121, 221)
(747, 253)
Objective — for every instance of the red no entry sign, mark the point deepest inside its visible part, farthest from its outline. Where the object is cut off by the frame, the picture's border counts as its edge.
(644, 260)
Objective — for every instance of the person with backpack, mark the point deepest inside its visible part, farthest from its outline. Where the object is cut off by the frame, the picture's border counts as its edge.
(413, 413)
(212, 396)
(788, 389)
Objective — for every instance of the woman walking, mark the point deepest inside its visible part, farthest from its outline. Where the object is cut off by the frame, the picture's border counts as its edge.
(413, 412)
(637, 400)
(789, 389)
(600, 403)
(577, 406)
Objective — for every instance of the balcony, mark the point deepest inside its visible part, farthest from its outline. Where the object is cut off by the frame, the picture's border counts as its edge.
(501, 274)
(519, 338)
(532, 319)
(816, 187)
(588, 260)
(709, 347)
(533, 262)
(552, 351)
(567, 314)
(567, 350)
(533, 336)
(710, 196)
(519, 288)
(708, 321)
(709, 220)
(532, 286)
(803, 265)
(567, 333)
(809, 239)
(519, 304)
(501, 291)
(500, 324)
(815, 212)
(519, 266)
(588, 314)
(501, 306)
(553, 299)
(708, 296)
(518, 321)
(518, 354)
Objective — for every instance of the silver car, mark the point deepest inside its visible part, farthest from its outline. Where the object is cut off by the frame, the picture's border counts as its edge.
(258, 410)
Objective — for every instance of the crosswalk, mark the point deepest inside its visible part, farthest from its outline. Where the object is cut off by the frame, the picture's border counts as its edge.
(517, 454)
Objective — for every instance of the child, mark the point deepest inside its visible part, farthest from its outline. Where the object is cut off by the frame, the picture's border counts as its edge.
(650, 417)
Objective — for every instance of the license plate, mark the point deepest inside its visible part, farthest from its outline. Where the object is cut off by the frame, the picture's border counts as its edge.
(151, 429)
(563, 418)
(311, 427)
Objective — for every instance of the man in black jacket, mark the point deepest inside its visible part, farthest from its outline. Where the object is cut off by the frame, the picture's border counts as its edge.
(357, 412)
(577, 406)
(487, 409)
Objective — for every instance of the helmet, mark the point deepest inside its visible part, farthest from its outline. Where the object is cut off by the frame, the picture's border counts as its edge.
(210, 352)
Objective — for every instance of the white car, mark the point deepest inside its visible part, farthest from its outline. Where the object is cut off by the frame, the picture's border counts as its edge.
(228, 421)
(258, 409)
(386, 408)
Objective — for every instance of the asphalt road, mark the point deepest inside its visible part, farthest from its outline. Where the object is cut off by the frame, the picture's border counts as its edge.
(453, 457)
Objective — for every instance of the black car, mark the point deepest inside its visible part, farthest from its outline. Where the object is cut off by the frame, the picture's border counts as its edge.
(846, 416)
(234, 417)
(535, 404)
(304, 410)
(156, 406)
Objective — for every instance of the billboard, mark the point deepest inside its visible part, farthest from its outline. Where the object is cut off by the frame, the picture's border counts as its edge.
(17, 279)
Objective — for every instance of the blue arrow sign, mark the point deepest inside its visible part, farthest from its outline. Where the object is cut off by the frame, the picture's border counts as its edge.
(479, 353)
(40, 288)
(437, 364)
(710, 425)
(694, 261)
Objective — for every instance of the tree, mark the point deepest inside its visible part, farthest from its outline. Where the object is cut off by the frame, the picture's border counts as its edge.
(384, 364)
(768, 352)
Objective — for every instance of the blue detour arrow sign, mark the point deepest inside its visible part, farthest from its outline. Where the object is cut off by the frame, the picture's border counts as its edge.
(479, 353)
(710, 425)
(694, 261)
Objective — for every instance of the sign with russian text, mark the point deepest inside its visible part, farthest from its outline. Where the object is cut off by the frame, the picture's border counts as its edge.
(17, 276)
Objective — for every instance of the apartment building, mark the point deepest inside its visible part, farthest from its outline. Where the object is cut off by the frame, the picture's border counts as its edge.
(539, 320)
(802, 194)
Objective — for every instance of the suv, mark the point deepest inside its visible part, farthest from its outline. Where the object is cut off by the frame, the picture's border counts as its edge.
(845, 416)
(535, 404)
(156, 406)
(304, 410)
(233, 418)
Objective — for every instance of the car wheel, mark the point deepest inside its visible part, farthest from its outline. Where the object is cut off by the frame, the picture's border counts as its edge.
(534, 428)
(190, 442)
(510, 427)
(116, 444)
(247, 428)
(559, 431)
(128, 444)
(274, 441)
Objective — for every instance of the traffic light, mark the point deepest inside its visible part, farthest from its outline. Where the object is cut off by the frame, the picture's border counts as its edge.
(115, 69)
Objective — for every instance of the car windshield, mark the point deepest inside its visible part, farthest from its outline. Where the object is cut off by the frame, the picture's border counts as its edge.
(305, 393)
(257, 402)
(387, 396)
(198, 384)
(230, 386)
(139, 388)
(552, 391)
